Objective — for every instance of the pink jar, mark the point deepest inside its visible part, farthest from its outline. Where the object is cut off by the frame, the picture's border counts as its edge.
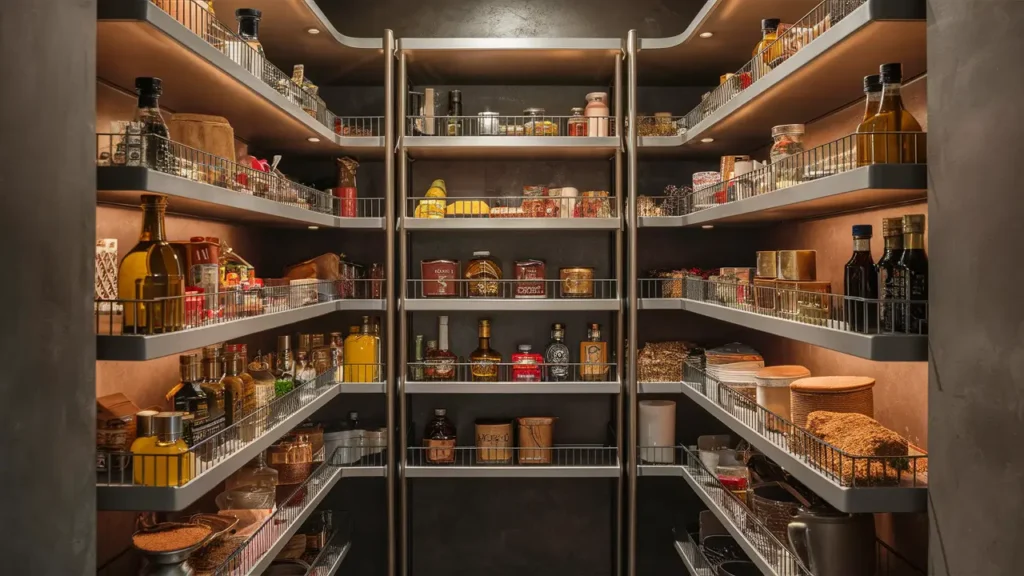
(597, 114)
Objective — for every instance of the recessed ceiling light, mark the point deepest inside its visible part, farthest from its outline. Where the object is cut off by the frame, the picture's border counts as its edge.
(313, 31)
(707, 140)
(314, 227)
(313, 139)
(706, 34)
(708, 226)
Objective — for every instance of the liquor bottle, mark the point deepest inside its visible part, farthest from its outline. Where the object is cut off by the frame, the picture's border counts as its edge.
(455, 120)
(249, 27)
(304, 371)
(888, 285)
(167, 458)
(913, 274)
(526, 365)
(211, 384)
(594, 355)
(362, 354)
(416, 372)
(188, 397)
(428, 366)
(145, 439)
(234, 389)
(439, 439)
(556, 355)
(155, 137)
(764, 52)
(483, 362)
(248, 383)
(893, 117)
(442, 361)
(861, 281)
(151, 278)
(872, 98)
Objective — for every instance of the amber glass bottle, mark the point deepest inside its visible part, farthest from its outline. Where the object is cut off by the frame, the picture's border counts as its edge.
(893, 117)
(151, 271)
(484, 361)
(234, 388)
(872, 98)
(764, 53)
(913, 274)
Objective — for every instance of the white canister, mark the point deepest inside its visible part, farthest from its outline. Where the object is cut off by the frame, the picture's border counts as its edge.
(657, 431)
(597, 114)
(567, 202)
(345, 445)
(773, 391)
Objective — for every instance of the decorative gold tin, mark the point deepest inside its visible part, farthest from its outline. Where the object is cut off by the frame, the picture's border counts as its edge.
(797, 265)
(766, 264)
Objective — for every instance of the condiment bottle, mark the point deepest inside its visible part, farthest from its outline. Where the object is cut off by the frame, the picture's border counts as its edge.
(888, 284)
(439, 439)
(597, 114)
(556, 355)
(143, 469)
(860, 281)
(913, 275)
(526, 364)
(361, 354)
(234, 389)
(893, 117)
(440, 360)
(170, 457)
(594, 355)
(763, 56)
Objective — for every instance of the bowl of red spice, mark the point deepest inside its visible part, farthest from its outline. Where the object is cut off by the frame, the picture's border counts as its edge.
(170, 542)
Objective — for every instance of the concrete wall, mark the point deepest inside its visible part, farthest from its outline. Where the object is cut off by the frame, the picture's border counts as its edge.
(975, 412)
(48, 183)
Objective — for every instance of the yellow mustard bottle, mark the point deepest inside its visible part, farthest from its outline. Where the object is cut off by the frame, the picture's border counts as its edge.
(168, 458)
(362, 351)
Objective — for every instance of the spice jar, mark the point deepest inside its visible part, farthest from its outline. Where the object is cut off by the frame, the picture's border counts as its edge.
(293, 459)
(536, 125)
(789, 140)
(577, 282)
(439, 278)
(577, 123)
(530, 279)
(484, 274)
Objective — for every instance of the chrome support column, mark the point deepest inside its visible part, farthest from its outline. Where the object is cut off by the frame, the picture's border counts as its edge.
(631, 144)
(403, 338)
(389, 203)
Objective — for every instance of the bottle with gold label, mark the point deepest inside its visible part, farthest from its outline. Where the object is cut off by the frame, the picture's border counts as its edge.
(361, 354)
(248, 383)
(234, 389)
(594, 355)
(484, 361)
(168, 457)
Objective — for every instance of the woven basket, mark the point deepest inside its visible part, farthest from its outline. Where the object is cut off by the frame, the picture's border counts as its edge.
(831, 394)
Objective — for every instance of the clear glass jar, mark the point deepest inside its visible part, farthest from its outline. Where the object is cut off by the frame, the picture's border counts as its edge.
(484, 274)
(536, 125)
(789, 141)
(577, 123)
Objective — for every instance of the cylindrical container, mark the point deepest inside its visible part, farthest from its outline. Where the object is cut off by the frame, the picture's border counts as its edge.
(416, 113)
(440, 278)
(487, 123)
(577, 123)
(536, 436)
(204, 268)
(831, 394)
(728, 165)
(576, 282)
(657, 431)
(293, 459)
(346, 189)
(785, 154)
(796, 265)
(493, 442)
(566, 200)
(530, 275)
(767, 264)
(773, 391)
(376, 281)
(597, 114)
(374, 441)
(302, 292)
(706, 191)
(703, 179)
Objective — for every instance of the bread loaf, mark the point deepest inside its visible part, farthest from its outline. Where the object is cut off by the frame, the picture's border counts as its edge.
(858, 435)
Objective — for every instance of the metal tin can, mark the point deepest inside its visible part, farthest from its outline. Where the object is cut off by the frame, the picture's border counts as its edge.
(530, 279)
(577, 282)
(487, 123)
(439, 278)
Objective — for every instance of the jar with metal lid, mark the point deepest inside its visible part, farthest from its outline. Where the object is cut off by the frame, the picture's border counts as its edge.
(786, 154)
(597, 114)
(535, 124)
(487, 123)
(577, 123)
(576, 282)
(484, 275)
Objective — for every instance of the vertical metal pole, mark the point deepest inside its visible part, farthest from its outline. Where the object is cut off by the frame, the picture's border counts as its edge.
(619, 330)
(631, 63)
(403, 337)
(389, 203)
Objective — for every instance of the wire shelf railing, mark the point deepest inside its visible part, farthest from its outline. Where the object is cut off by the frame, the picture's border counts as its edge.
(210, 446)
(359, 126)
(836, 157)
(528, 370)
(789, 41)
(732, 510)
(250, 553)
(661, 125)
(331, 556)
(840, 467)
(192, 308)
(361, 449)
(571, 288)
(694, 553)
(515, 125)
(490, 456)
(547, 203)
(818, 307)
(176, 159)
(295, 88)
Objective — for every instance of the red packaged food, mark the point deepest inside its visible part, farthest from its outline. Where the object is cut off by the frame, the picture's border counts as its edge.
(440, 278)
(531, 270)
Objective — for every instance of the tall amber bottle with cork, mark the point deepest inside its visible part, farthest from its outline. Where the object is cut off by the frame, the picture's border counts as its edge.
(484, 361)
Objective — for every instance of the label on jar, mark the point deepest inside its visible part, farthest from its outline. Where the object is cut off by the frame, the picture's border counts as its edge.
(557, 358)
(530, 270)
(438, 278)
(440, 451)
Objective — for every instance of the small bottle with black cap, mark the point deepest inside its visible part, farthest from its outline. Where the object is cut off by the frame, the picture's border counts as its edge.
(893, 117)
(872, 99)
(861, 283)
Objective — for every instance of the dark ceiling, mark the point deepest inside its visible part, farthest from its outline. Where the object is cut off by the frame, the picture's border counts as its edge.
(511, 18)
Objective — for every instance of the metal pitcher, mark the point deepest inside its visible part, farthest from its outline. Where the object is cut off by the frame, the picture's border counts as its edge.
(832, 543)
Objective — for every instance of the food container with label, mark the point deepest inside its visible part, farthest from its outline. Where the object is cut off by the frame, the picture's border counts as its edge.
(728, 165)
(493, 441)
(706, 191)
(773, 392)
(797, 265)
(293, 459)
(577, 123)
(767, 264)
(595, 204)
(789, 141)
(484, 275)
(576, 282)
(565, 200)
(536, 437)
(536, 204)
(487, 123)
(764, 294)
(808, 298)
(439, 278)
(536, 125)
(530, 279)
(526, 364)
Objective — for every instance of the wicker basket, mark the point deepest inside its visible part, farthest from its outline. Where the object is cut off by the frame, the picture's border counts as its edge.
(831, 394)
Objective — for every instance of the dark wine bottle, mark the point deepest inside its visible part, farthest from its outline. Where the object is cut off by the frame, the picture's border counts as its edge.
(913, 274)
(888, 283)
(861, 282)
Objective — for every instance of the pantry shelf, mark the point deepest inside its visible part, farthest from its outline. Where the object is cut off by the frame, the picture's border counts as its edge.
(861, 188)
(485, 223)
(850, 483)
(692, 557)
(148, 347)
(125, 185)
(611, 387)
(330, 57)
(822, 76)
(213, 459)
(362, 387)
(735, 25)
(760, 545)
(137, 38)
(555, 462)
(510, 147)
(331, 558)
(511, 305)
